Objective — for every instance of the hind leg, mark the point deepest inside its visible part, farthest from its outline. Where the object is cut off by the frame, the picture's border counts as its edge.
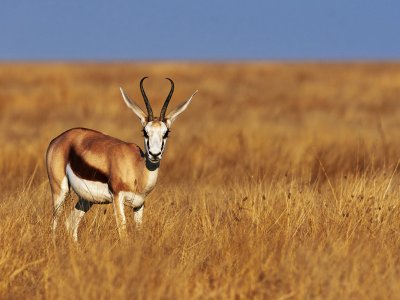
(72, 222)
(55, 165)
(59, 194)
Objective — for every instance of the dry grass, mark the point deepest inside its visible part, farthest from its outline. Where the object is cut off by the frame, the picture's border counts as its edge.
(281, 181)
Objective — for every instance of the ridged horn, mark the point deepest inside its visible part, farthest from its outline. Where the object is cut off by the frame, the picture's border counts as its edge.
(146, 101)
(166, 102)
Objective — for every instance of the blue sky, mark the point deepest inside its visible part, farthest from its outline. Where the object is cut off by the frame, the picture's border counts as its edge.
(200, 30)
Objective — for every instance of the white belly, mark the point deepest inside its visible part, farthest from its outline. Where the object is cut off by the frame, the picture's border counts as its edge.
(92, 191)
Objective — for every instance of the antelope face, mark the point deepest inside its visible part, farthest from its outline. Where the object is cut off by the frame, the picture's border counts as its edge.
(155, 138)
(155, 130)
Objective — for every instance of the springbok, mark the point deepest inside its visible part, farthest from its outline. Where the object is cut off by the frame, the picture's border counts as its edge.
(104, 169)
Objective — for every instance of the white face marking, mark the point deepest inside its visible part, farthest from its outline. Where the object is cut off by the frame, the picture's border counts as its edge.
(92, 191)
(155, 139)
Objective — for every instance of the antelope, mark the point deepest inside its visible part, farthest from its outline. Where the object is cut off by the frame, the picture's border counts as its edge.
(102, 169)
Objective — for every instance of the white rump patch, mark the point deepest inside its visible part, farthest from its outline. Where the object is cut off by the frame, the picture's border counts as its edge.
(92, 191)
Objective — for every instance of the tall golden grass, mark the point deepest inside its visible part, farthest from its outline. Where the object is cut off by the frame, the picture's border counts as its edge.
(280, 181)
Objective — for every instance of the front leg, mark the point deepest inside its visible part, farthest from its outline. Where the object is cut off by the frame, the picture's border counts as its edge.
(119, 211)
(72, 222)
(138, 215)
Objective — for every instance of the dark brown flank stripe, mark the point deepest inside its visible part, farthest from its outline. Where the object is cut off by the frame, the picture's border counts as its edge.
(83, 170)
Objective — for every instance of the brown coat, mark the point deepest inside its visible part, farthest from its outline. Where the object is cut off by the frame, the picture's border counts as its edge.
(95, 156)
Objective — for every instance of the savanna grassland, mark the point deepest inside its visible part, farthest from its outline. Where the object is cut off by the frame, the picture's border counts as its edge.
(280, 181)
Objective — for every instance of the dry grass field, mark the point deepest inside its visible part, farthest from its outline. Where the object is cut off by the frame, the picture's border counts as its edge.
(280, 181)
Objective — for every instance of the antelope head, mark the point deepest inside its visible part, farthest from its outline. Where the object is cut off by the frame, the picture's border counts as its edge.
(155, 129)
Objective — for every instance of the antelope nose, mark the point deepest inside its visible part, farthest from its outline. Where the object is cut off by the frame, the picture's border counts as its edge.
(154, 154)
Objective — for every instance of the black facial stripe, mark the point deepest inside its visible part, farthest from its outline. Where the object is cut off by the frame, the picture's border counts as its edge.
(166, 134)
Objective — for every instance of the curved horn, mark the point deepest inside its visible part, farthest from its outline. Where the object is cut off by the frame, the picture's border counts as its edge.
(164, 108)
(146, 101)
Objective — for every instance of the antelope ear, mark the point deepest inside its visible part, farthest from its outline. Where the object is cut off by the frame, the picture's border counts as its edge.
(178, 110)
(134, 107)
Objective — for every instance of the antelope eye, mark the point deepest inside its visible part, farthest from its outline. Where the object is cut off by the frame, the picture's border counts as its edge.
(145, 134)
(166, 134)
